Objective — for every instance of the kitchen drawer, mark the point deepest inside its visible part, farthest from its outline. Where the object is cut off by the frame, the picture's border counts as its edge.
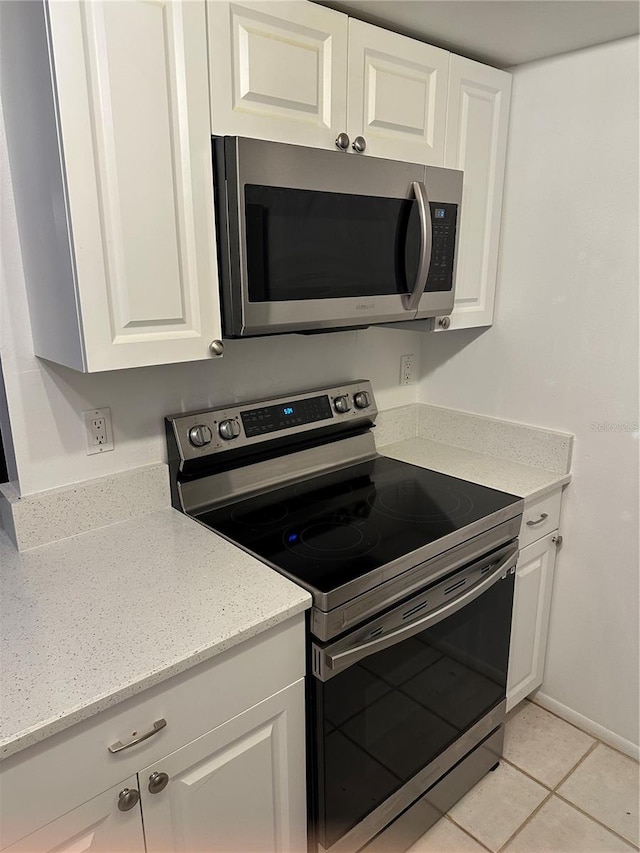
(540, 517)
(67, 769)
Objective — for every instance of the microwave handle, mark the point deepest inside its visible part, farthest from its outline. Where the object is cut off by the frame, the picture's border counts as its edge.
(337, 661)
(412, 300)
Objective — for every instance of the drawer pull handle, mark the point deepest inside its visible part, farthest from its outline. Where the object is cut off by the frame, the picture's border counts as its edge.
(118, 746)
(543, 517)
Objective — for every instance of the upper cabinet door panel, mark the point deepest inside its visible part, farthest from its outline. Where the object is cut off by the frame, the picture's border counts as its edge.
(278, 71)
(136, 142)
(397, 95)
(477, 125)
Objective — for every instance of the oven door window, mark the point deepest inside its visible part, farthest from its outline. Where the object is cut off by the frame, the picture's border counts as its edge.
(384, 719)
(304, 244)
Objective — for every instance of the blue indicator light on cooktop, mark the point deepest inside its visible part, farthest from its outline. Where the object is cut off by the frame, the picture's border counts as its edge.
(292, 537)
(288, 410)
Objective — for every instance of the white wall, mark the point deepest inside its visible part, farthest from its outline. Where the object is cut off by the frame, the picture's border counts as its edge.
(45, 400)
(563, 354)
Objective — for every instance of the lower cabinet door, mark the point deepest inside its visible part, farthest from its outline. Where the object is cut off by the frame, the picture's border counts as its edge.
(98, 825)
(240, 787)
(531, 607)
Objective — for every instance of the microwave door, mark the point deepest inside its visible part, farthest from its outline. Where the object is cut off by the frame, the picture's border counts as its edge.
(324, 240)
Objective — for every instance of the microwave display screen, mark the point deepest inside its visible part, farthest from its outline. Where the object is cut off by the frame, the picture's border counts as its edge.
(306, 244)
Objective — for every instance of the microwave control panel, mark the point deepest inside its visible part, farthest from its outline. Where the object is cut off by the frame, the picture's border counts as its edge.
(444, 218)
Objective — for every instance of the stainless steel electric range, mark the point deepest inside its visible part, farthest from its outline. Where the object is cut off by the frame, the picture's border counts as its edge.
(412, 577)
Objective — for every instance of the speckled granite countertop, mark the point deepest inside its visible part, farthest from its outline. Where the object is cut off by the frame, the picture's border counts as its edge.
(93, 619)
(526, 481)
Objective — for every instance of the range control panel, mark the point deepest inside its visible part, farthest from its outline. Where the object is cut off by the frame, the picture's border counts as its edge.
(201, 433)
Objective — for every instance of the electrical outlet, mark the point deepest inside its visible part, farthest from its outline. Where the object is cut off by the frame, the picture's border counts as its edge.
(407, 369)
(98, 433)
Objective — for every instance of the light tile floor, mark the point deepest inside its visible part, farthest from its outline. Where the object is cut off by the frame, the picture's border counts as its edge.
(557, 790)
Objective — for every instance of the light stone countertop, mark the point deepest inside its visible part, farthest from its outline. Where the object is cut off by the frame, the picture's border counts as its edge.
(96, 618)
(525, 481)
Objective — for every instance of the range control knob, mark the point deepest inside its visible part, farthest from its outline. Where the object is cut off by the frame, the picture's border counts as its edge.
(341, 404)
(229, 429)
(200, 435)
(361, 400)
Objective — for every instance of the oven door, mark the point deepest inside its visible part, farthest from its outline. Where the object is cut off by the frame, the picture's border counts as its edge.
(426, 680)
(313, 239)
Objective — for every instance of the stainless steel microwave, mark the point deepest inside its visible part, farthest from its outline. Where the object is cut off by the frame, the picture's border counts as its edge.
(310, 239)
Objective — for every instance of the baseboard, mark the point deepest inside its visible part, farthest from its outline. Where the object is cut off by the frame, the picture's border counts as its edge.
(587, 725)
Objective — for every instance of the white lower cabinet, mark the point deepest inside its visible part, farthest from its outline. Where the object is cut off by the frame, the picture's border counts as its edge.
(237, 788)
(98, 826)
(224, 772)
(531, 607)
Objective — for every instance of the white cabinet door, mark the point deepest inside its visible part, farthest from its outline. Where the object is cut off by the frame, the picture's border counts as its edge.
(397, 95)
(97, 826)
(278, 71)
(477, 124)
(531, 607)
(237, 788)
(133, 110)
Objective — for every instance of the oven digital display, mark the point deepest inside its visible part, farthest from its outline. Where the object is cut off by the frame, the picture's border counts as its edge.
(273, 418)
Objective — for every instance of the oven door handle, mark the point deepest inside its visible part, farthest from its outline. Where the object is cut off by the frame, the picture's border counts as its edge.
(412, 300)
(337, 661)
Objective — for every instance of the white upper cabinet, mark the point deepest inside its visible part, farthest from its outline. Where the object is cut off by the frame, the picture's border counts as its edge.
(476, 140)
(137, 283)
(397, 95)
(278, 71)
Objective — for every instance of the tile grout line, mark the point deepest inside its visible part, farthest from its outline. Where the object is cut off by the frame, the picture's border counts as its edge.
(593, 747)
(526, 821)
(589, 734)
(469, 834)
(595, 820)
(551, 790)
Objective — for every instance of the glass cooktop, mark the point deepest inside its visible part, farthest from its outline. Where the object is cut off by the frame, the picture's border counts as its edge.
(327, 531)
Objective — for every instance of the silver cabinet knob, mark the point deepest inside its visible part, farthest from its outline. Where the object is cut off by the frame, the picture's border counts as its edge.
(229, 429)
(127, 799)
(359, 144)
(158, 782)
(341, 404)
(361, 400)
(444, 322)
(216, 347)
(342, 141)
(200, 435)
(557, 539)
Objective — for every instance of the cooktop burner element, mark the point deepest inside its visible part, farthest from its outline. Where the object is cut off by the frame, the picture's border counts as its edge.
(410, 501)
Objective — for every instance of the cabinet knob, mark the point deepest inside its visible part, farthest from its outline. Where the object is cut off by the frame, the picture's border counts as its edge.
(127, 799)
(359, 144)
(158, 782)
(444, 322)
(557, 539)
(216, 347)
(342, 141)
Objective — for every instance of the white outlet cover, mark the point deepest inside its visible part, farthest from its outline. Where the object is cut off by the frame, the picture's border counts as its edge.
(95, 441)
